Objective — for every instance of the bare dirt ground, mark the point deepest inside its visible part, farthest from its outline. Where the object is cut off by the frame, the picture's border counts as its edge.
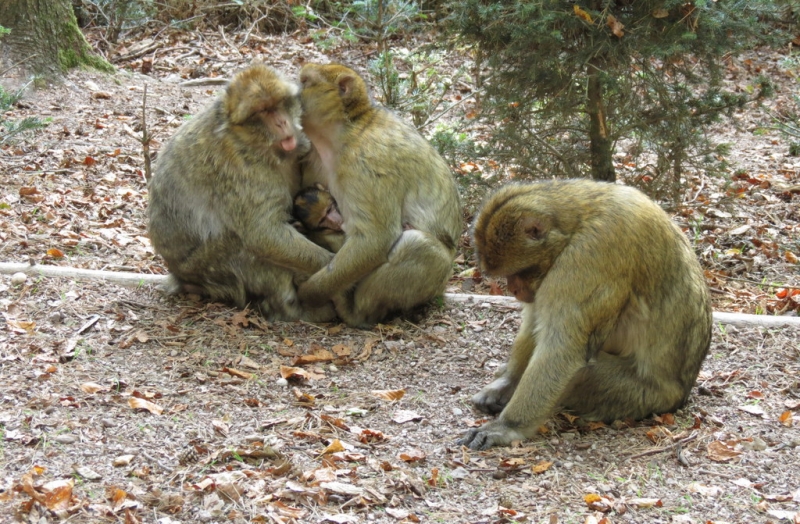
(122, 405)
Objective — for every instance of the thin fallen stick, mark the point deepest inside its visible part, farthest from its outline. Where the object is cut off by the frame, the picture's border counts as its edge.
(666, 448)
(116, 277)
(728, 319)
(139, 279)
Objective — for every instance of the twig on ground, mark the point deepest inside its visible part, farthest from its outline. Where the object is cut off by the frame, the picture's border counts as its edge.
(139, 279)
(666, 448)
(145, 138)
(17, 64)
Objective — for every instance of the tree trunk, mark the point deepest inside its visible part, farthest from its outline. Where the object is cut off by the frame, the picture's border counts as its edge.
(599, 142)
(45, 38)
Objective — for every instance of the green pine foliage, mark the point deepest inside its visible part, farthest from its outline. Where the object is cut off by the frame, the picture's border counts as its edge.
(573, 83)
(10, 128)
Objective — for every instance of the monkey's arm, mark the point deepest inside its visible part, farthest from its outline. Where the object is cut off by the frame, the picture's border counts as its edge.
(330, 240)
(567, 336)
(495, 396)
(263, 220)
(372, 223)
(289, 248)
(547, 375)
(357, 257)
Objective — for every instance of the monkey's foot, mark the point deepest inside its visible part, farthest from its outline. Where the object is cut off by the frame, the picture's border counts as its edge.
(494, 397)
(495, 433)
(324, 313)
(310, 297)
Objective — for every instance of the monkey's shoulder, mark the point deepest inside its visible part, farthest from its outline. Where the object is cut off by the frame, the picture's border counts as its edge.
(382, 125)
(384, 139)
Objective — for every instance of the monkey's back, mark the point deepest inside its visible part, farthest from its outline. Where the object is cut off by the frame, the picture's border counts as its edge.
(391, 148)
(179, 195)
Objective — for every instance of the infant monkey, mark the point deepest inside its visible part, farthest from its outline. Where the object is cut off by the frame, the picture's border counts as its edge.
(319, 217)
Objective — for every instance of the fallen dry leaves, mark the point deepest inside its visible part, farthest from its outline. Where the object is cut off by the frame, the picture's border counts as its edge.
(720, 451)
(413, 455)
(99, 215)
(605, 503)
(296, 373)
(390, 395)
(140, 403)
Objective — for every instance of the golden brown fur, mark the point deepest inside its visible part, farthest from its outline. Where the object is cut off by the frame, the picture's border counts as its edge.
(383, 175)
(319, 217)
(617, 320)
(221, 199)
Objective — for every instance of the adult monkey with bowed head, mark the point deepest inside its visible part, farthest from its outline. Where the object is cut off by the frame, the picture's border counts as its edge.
(221, 200)
(617, 319)
(386, 179)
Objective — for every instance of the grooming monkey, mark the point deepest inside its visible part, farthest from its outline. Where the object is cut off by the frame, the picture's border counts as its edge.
(221, 200)
(319, 217)
(617, 319)
(384, 175)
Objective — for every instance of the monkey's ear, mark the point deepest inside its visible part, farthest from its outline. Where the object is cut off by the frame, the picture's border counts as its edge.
(239, 113)
(309, 75)
(345, 82)
(534, 228)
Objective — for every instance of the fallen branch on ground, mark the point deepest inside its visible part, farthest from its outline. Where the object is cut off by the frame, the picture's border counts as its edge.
(665, 448)
(139, 279)
(730, 319)
(117, 277)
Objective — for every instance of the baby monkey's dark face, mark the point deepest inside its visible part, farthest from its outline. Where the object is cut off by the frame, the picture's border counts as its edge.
(316, 209)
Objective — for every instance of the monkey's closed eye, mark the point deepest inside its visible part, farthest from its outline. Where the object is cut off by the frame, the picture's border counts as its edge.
(323, 221)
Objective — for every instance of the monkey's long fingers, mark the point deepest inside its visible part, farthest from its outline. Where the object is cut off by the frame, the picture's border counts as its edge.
(491, 434)
(467, 439)
(492, 406)
(478, 440)
(494, 397)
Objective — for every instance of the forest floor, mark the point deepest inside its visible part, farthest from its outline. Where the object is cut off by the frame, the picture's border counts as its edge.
(119, 404)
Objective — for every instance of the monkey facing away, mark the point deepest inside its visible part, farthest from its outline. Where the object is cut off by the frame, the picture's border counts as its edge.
(617, 319)
(384, 176)
(319, 217)
(221, 200)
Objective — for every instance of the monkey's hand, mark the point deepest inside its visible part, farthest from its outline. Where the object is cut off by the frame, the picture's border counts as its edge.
(494, 397)
(494, 433)
(299, 226)
(310, 295)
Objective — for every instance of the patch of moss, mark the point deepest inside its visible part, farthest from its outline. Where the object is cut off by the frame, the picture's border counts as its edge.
(79, 53)
(69, 58)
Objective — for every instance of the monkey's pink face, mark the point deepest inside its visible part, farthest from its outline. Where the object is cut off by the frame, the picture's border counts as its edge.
(519, 288)
(332, 219)
(280, 126)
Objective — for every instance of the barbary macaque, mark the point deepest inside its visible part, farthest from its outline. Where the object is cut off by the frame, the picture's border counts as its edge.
(616, 320)
(384, 176)
(319, 217)
(221, 200)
